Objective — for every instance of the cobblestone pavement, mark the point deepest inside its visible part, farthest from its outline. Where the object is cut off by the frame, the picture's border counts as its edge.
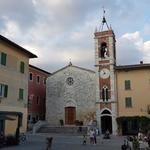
(67, 142)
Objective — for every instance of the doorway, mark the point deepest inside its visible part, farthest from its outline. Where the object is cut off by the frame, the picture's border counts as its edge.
(70, 115)
(106, 121)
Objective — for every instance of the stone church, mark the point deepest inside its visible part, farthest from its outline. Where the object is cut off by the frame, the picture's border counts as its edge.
(71, 96)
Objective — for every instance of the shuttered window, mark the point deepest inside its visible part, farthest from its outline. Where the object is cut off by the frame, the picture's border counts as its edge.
(3, 90)
(22, 67)
(3, 59)
(127, 84)
(21, 94)
(128, 102)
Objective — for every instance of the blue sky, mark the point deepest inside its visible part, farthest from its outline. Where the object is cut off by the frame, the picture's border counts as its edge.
(58, 31)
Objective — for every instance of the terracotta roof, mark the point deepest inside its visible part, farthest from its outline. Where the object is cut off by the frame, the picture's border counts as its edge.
(39, 69)
(133, 67)
(19, 48)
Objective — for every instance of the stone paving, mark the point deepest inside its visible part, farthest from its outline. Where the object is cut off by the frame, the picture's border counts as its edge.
(67, 142)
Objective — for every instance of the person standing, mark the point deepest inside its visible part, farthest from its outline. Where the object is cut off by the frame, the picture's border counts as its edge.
(135, 143)
(148, 138)
(84, 140)
(94, 136)
(2, 139)
(91, 136)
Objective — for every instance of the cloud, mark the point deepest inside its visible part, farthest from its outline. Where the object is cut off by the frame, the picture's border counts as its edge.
(11, 29)
(22, 12)
(58, 31)
(131, 49)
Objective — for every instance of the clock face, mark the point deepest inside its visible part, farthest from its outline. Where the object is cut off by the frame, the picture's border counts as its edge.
(104, 73)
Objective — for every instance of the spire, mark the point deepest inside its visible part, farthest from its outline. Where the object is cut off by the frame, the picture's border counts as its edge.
(104, 21)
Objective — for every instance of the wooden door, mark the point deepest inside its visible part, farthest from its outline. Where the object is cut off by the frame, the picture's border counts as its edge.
(70, 115)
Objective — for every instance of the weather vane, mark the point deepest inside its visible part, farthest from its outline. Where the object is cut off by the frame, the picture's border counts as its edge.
(104, 20)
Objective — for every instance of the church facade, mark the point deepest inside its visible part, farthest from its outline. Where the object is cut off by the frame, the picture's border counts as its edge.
(71, 96)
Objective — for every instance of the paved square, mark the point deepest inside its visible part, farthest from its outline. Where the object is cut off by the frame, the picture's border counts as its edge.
(67, 142)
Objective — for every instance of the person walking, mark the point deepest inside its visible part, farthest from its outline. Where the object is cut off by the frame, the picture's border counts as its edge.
(94, 137)
(91, 136)
(84, 140)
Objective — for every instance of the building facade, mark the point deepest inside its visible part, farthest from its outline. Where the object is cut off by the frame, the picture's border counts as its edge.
(133, 85)
(70, 96)
(36, 94)
(14, 68)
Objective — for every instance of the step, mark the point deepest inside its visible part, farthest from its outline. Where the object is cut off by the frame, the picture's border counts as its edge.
(63, 129)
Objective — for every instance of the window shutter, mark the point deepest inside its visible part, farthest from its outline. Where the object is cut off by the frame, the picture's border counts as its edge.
(128, 102)
(3, 59)
(127, 85)
(5, 90)
(22, 67)
(20, 93)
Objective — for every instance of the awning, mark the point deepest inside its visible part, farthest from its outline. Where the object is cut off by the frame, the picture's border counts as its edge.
(2, 117)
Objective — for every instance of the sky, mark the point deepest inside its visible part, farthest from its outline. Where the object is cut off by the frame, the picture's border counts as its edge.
(60, 31)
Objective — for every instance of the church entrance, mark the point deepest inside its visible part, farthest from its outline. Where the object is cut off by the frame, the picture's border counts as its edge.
(70, 115)
(106, 121)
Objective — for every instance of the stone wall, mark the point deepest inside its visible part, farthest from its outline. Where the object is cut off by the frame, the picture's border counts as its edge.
(81, 94)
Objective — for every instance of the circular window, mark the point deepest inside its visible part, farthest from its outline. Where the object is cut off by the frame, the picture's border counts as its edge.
(69, 81)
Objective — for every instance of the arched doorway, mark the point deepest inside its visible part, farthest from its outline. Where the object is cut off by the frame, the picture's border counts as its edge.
(106, 121)
(70, 115)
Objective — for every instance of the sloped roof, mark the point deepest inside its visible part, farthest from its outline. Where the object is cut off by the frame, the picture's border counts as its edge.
(19, 48)
(133, 67)
(39, 69)
(70, 65)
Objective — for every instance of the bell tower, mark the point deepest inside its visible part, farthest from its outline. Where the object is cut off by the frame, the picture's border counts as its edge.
(105, 61)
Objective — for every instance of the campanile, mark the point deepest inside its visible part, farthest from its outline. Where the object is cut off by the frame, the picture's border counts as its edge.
(105, 62)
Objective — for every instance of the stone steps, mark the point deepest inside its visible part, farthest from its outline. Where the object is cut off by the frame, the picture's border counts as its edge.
(64, 129)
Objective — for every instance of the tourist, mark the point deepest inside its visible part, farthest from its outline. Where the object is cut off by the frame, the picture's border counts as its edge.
(94, 137)
(91, 136)
(84, 140)
(2, 139)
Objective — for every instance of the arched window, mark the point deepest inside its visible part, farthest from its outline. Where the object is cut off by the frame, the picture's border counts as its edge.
(103, 50)
(105, 93)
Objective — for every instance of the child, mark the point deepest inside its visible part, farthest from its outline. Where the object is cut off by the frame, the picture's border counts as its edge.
(84, 140)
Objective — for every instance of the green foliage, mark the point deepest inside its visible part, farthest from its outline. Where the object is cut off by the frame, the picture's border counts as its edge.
(144, 122)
